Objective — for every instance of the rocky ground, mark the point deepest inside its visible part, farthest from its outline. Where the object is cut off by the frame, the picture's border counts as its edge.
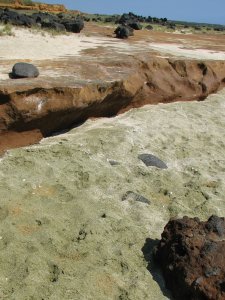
(93, 74)
(78, 209)
(70, 230)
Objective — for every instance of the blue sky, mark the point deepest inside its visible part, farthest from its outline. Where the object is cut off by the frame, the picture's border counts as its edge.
(210, 11)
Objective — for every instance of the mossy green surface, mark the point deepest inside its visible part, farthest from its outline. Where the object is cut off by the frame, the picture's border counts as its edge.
(65, 232)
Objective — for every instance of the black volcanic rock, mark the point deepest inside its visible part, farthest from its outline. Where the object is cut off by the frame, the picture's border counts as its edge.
(135, 25)
(73, 25)
(191, 254)
(122, 32)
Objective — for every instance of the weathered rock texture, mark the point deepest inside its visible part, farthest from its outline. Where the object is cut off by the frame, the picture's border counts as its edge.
(191, 254)
(72, 226)
(56, 105)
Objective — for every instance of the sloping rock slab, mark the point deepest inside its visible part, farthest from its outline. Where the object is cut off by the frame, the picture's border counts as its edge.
(192, 257)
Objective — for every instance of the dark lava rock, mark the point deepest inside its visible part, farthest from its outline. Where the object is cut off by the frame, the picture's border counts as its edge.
(153, 161)
(122, 32)
(135, 197)
(59, 22)
(53, 25)
(135, 25)
(192, 257)
(73, 25)
(24, 70)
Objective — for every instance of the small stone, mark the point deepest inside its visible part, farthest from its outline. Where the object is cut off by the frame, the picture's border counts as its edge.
(113, 162)
(135, 197)
(152, 161)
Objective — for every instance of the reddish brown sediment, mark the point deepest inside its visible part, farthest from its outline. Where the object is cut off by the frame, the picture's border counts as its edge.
(11, 139)
(105, 81)
(49, 106)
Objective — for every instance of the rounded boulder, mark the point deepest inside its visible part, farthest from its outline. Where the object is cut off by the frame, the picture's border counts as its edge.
(24, 70)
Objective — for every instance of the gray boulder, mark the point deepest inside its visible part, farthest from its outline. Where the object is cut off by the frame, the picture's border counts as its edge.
(152, 161)
(24, 70)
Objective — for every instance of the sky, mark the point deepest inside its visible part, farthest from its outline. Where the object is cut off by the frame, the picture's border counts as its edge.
(208, 11)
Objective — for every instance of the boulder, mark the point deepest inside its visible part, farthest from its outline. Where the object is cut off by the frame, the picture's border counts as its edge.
(122, 32)
(24, 70)
(53, 25)
(41, 17)
(135, 25)
(192, 257)
(27, 21)
(8, 16)
(73, 25)
(127, 18)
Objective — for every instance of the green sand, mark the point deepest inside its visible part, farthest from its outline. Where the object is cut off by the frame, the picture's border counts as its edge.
(65, 232)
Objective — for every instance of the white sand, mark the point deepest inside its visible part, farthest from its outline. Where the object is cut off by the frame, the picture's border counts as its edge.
(34, 45)
(30, 45)
(179, 50)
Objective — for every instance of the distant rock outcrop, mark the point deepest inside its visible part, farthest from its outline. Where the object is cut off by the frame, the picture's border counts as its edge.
(192, 257)
(30, 5)
(58, 22)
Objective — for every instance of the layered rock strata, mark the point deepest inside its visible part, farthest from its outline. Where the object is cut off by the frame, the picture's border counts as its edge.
(54, 105)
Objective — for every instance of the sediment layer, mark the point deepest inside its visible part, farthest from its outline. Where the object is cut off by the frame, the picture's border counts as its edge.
(46, 107)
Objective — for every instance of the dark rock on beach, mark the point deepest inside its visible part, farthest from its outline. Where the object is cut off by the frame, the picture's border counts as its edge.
(123, 32)
(53, 25)
(73, 25)
(135, 25)
(24, 70)
(135, 197)
(192, 257)
(60, 22)
(152, 161)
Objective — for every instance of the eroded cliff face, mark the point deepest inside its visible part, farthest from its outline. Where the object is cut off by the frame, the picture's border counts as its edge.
(28, 105)
(77, 209)
(54, 8)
